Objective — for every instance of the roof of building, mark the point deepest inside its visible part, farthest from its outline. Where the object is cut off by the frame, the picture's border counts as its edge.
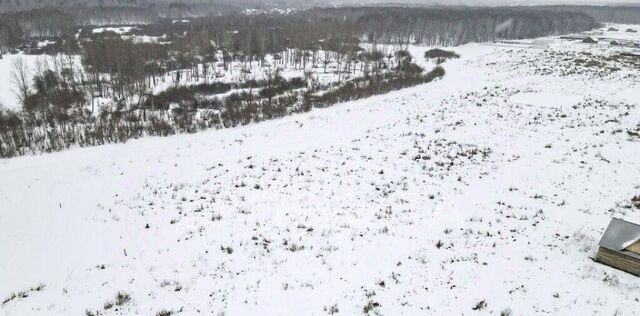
(619, 235)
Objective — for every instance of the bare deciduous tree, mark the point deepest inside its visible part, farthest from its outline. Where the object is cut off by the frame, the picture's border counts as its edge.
(20, 79)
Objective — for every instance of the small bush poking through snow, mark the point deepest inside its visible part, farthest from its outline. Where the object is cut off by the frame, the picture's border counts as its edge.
(440, 53)
(122, 298)
(371, 305)
(38, 287)
(164, 312)
(228, 250)
(332, 310)
(9, 298)
(480, 305)
(636, 201)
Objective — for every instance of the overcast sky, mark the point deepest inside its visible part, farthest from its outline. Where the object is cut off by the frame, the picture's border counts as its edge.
(493, 2)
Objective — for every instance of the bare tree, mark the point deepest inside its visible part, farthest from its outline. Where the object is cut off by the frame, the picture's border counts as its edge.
(20, 79)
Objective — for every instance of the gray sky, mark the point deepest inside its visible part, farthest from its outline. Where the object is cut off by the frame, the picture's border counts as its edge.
(493, 2)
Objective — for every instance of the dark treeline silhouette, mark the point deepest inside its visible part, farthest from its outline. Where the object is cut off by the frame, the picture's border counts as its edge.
(140, 11)
(605, 14)
(453, 26)
(437, 26)
(17, 28)
(114, 15)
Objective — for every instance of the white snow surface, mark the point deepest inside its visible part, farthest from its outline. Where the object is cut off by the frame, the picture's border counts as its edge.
(493, 184)
(118, 30)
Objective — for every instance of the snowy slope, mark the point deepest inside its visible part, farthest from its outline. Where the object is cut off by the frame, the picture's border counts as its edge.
(493, 184)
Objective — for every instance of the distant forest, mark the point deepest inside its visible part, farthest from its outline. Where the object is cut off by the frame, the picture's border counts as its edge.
(435, 26)
(608, 14)
(26, 19)
(147, 10)
(451, 26)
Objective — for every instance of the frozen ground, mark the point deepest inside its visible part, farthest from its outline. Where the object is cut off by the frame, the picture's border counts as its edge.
(482, 193)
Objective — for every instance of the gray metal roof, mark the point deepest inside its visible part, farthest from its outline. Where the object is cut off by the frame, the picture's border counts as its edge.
(619, 235)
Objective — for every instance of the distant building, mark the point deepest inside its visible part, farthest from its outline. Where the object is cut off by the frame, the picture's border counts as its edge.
(620, 246)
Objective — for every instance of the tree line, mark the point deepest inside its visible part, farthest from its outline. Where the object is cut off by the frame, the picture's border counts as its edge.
(56, 125)
(433, 26)
(453, 26)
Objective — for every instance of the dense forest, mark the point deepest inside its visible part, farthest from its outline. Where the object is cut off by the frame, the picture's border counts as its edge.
(453, 26)
(443, 26)
(604, 14)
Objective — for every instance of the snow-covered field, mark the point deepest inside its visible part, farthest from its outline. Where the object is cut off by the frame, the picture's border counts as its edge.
(485, 192)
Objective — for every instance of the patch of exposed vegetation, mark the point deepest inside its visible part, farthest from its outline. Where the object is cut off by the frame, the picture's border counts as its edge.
(635, 201)
(122, 298)
(480, 305)
(440, 53)
(22, 294)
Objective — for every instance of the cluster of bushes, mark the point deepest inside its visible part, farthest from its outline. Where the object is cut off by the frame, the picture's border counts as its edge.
(281, 86)
(202, 96)
(21, 133)
(440, 55)
(24, 132)
(366, 87)
(187, 95)
(242, 109)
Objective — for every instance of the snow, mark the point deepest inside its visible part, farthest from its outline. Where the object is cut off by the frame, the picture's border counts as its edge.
(119, 30)
(145, 38)
(512, 167)
(541, 99)
(45, 43)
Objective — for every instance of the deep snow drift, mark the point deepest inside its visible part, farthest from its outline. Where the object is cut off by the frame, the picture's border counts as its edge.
(481, 193)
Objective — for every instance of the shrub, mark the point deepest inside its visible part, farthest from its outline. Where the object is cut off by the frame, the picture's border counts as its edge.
(122, 298)
(440, 53)
(54, 128)
(636, 201)
(480, 305)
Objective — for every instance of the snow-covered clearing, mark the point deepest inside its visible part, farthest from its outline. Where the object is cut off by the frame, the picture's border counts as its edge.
(118, 30)
(491, 185)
